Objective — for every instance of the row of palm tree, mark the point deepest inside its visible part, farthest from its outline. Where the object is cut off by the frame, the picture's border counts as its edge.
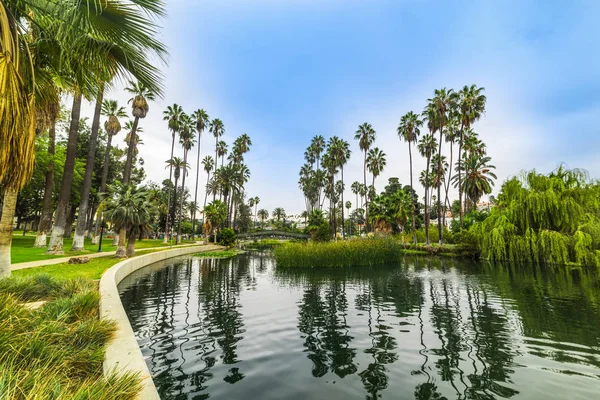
(50, 50)
(451, 115)
(325, 160)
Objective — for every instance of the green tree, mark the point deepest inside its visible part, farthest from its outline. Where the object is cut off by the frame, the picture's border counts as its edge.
(376, 162)
(365, 135)
(187, 140)
(263, 215)
(279, 214)
(478, 177)
(201, 119)
(173, 116)
(409, 131)
(427, 146)
(214, 216)
(218, 129)
(471, 106)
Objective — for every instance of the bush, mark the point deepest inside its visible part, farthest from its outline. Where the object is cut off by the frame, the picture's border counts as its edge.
(320, 233)
(226, 237)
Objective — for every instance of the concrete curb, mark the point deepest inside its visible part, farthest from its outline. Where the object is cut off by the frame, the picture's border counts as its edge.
(123, 353)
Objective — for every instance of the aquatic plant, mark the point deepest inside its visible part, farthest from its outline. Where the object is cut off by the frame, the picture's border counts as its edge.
(346, 253)
(547, 219)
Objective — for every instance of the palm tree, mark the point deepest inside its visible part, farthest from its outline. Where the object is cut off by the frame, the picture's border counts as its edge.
(201, 119)
(172, 115)
(139, 109)
(471, 106)
(409, 131)
(82, 51)
(218, 129)
(177, 164)
(132, 211)
(256, 201)
(478, 177)
(208, 164)
(316, 148)
(222, 151)
(355, 187)
(52, 114)
(186, 139)
(263, 214)
(365, 136)
(112, 126)
(340, 151)
(279, 214)
(214, 216)
(441, 106)
(427, 147)
(451, 133)
(376, 162)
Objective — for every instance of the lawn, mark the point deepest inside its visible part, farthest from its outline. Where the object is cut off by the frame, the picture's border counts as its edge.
(22, 249)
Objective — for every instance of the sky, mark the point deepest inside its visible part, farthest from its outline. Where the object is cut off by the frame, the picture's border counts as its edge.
(283, 71)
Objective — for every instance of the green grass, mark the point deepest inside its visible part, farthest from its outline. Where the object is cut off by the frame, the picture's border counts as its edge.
(219, 254)
(264, 244)
(92, 270)
(57, 350)
(22, 249)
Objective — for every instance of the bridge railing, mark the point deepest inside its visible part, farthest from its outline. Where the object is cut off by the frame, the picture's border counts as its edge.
(269, 234)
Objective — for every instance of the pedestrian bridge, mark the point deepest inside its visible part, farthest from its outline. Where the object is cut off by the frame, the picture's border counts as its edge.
(272, 235)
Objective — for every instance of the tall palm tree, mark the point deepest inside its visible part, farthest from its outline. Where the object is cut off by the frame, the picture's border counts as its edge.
(222, 151)
(409, 131)
(201, 119)
(365, 136)
(471, 106)
(355, 187)
(256, 201)
(315, 150)
(208, 164)
(187, 140)
(52, 114)
(451, 133)
(376, 162)
(218, 129)
(112, 126)
(427, 148)
(139, 109)
(478, 177)
(442, 106)
(340, 151)
(178, 165)
(173, 116)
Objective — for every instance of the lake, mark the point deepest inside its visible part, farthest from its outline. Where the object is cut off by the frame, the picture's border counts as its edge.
(425, 328)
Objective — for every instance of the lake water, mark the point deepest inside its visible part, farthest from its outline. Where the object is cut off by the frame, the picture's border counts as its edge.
(423, 329)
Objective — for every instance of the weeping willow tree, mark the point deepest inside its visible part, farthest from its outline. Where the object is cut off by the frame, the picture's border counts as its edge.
(546, 219)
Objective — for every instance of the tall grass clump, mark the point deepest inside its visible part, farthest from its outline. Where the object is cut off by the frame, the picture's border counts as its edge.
(56, 351)
(347, 253)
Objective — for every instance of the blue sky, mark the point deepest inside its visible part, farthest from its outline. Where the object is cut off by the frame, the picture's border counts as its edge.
(284, 71)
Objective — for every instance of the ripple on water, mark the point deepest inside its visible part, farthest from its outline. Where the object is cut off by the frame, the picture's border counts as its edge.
(239, 328)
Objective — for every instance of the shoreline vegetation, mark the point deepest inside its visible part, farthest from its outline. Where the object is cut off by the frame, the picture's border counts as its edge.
(357, 252)
(58, 348)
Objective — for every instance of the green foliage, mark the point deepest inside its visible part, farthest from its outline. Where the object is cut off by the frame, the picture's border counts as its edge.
(226, 237)
(57, 350)
(469, 219)
(320, 233)
(346, 253)
(218, 254)
(548, 219)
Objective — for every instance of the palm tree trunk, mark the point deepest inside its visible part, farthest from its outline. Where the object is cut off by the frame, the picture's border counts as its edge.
(185, 152)
(460, 194)
(9, 203)
(103, 184)
(165, 239)
(367, 192)
(58, 229)
(121, 251)
(412, 190)
(78, 240)
(172, 210)
(216, 162)
(343, 233)
(130, 245)
(196, 192)
(46, 218)
(439, 191)
(447, 185)
(426, 202)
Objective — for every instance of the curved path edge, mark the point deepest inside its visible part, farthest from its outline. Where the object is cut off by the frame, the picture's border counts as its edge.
(123, 353)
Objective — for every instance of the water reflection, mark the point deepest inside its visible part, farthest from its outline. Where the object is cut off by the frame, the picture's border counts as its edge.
(425, 329)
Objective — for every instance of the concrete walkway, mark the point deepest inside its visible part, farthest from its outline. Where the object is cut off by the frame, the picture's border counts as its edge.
(60, 260)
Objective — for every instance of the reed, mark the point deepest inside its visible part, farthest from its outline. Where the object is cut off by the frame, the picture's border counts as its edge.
(57, 350)
(347, 253)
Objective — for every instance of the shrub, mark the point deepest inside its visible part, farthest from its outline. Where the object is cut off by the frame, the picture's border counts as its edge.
(226, 237)
(321, 232)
